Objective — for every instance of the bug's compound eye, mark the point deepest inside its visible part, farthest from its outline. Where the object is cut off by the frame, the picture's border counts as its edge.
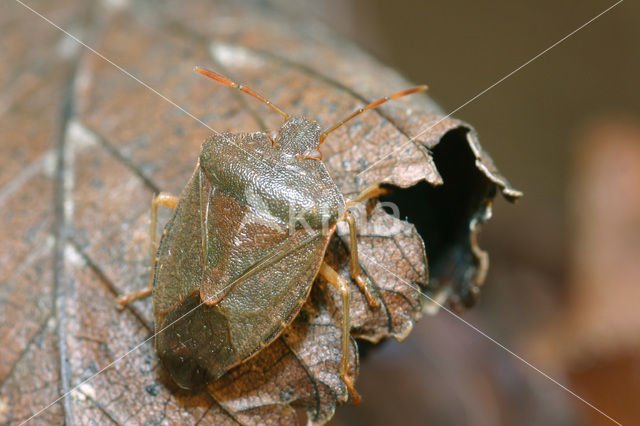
(273, 135)
(311, 155)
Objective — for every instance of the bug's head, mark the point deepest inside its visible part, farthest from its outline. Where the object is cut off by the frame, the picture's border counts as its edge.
(299, 136)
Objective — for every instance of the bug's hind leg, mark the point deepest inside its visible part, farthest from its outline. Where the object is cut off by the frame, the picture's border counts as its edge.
(162, 199)
(356, 272)
(342, 285)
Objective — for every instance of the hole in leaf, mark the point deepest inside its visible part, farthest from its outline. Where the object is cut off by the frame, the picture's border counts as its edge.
(442, 214)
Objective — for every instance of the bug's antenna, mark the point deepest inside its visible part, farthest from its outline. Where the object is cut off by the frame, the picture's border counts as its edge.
(372, 105)
(224, 80)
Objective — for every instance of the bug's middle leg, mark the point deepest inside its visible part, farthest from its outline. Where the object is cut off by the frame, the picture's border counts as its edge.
(162, 199)
(342, 286)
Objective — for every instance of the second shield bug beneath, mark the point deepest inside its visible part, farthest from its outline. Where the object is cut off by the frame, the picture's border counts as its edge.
(245, 243)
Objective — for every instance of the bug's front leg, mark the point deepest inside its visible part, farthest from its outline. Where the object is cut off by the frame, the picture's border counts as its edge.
(356, 272)
(372, 191)
(162, 199)
(361, 279)
(342, 286)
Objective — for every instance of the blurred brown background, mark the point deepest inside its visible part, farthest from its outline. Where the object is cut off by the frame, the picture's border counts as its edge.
(563, 288)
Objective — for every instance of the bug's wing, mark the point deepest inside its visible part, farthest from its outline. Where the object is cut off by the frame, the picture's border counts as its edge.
(255, 279)
(266, 272)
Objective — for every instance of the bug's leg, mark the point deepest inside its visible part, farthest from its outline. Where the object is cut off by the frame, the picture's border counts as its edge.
(372, 191)
(356, 272)
(130, 297)
(162, 199)
(342, 285)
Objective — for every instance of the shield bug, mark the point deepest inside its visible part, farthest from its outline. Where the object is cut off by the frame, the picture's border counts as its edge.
(246, 241)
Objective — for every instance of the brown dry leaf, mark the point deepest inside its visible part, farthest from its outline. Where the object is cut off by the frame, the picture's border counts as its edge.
(74, 248)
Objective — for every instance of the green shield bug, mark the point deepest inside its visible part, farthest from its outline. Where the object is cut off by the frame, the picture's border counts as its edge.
(247, 239)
